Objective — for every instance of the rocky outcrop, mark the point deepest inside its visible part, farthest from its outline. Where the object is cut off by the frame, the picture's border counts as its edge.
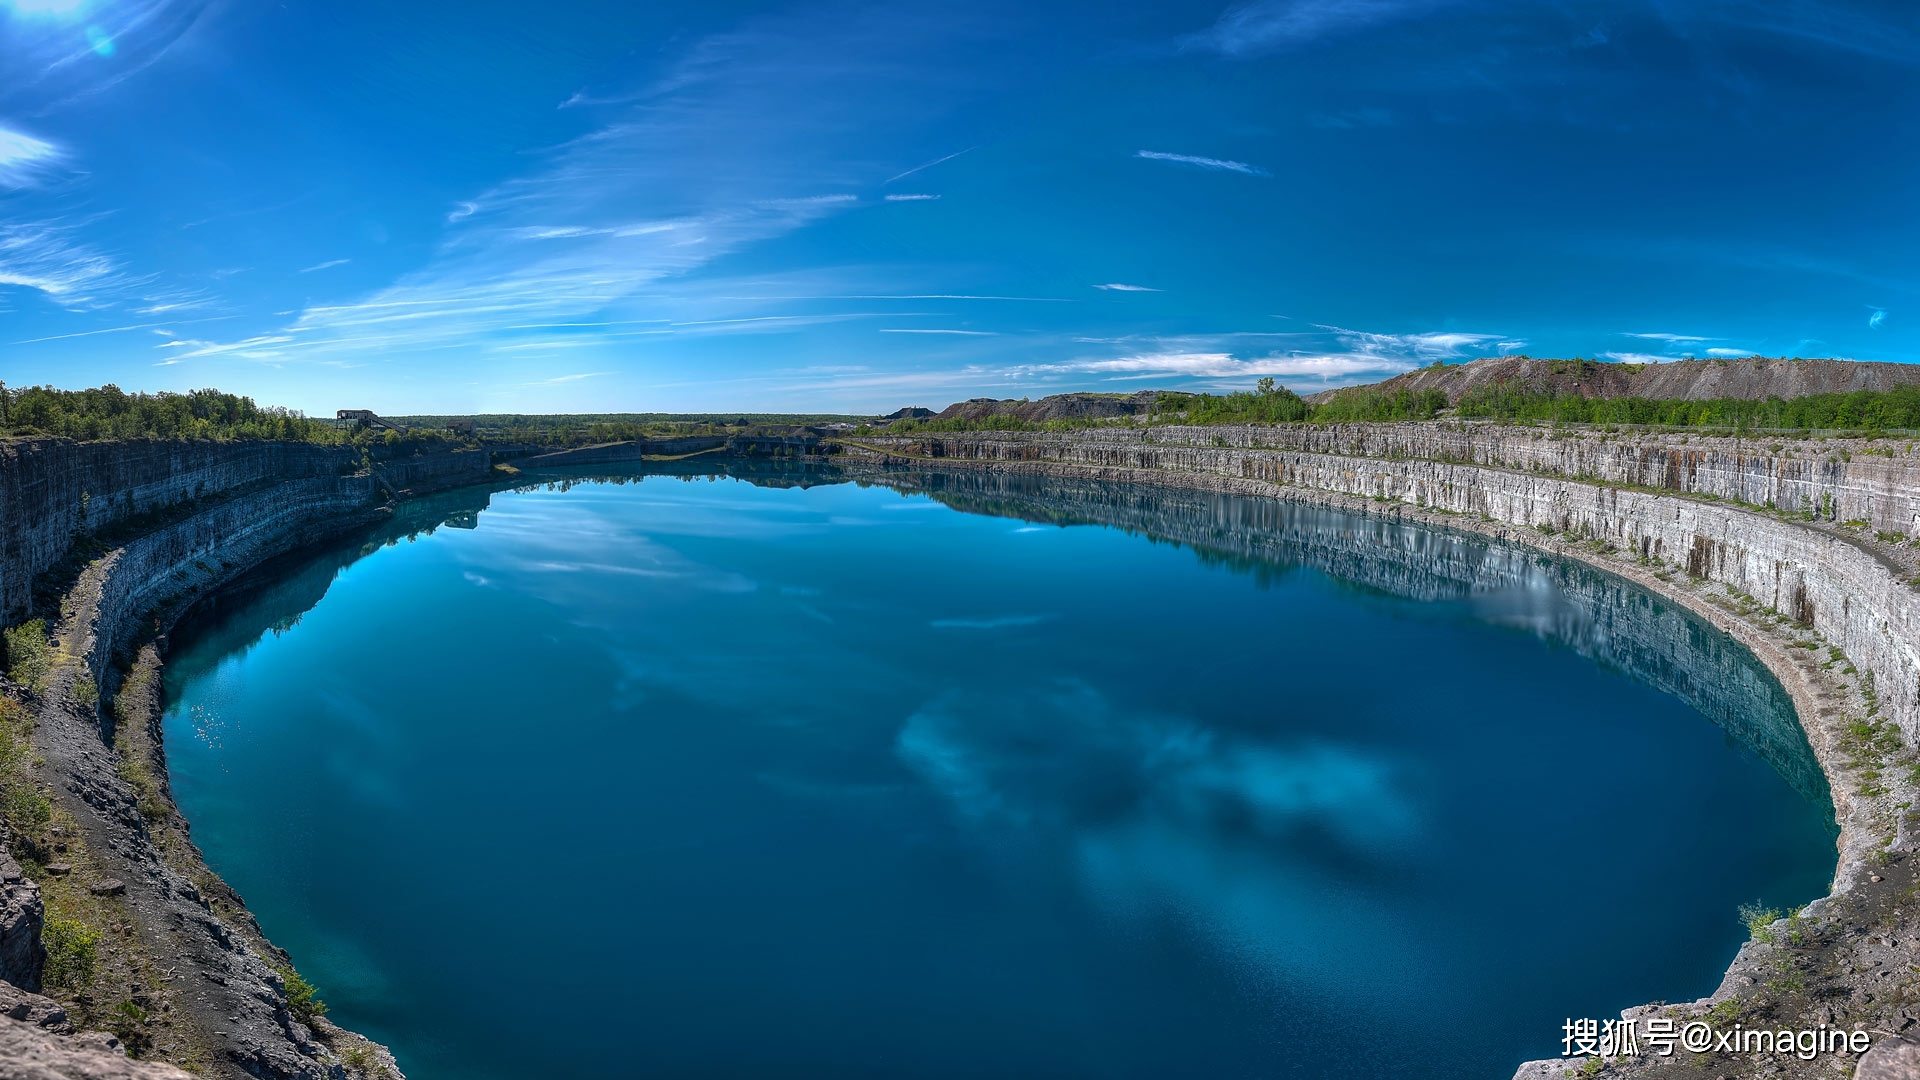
(32, 1052)
(1754, 378)
(21, 915)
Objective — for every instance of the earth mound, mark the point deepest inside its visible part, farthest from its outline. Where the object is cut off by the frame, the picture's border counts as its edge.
(1753, 378)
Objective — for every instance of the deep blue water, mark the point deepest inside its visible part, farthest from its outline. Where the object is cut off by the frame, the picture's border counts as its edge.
(703, 779)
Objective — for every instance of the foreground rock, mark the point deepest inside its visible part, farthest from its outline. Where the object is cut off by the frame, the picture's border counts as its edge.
(30, 1052)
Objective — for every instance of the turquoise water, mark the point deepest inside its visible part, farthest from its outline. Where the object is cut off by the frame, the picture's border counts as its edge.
(689, 777)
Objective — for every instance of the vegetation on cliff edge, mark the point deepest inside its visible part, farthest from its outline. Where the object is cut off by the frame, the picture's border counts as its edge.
(1867, 410)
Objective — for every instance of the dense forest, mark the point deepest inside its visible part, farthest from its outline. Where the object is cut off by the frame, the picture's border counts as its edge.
(108, 412)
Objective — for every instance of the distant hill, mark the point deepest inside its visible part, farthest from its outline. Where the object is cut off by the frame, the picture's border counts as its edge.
(1058, 407)
(1754, 378)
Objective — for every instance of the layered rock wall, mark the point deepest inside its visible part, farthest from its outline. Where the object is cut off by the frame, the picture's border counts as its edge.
(1598, 615)
(1667, 499)
(54, 490)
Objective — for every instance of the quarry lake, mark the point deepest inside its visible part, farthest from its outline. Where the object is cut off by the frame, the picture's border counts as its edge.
(977, 775)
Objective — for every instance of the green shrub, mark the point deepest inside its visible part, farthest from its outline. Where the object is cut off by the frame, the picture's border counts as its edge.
(302, 1000)
(73, 948)
(1370, 403)
(1760, 921)
(29, 656)
(24, 807)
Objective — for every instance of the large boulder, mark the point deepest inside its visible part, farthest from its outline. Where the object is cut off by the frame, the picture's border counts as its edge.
(22, 957)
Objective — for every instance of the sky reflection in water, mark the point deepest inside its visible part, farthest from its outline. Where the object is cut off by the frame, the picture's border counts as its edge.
(743, 781)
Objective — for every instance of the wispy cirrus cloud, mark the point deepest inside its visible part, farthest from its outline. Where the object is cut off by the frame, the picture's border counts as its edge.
(1671, 339)
(48, 258)
(1268, 25)
(60, 56)
(24, 159)
(1117, 287)
(1850, 28)
(912, 198)
(1214, 164)
(328, 265)
(742, 140)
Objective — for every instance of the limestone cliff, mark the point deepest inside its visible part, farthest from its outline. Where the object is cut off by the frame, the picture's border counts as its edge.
(1800, 550)
(111, 542)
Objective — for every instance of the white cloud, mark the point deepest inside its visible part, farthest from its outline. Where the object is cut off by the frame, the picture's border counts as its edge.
(1637, 358)
(733, 147)
(1729, 353)
(1117, 287)
(1325, 356)
(24, 159)
(968, 333)
(1671, 339)
(1216, 164)
(1874, 320)
(44, 256)
(328, 265)
(1265, 25)
(912, 198)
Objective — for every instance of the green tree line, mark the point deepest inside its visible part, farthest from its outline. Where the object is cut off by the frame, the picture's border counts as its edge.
(108, 412)
(1862, 410)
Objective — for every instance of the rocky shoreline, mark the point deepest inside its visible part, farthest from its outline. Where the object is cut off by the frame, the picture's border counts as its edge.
(110, 908)
(1816, 577)
(1797, 549)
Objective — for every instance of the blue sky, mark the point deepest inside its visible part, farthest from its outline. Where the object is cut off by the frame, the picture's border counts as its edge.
(586, 206)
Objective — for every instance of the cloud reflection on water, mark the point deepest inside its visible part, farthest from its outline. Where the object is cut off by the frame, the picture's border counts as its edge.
(1273, 851)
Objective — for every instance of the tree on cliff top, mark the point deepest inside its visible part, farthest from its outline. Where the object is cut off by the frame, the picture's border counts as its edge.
(108, 412)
